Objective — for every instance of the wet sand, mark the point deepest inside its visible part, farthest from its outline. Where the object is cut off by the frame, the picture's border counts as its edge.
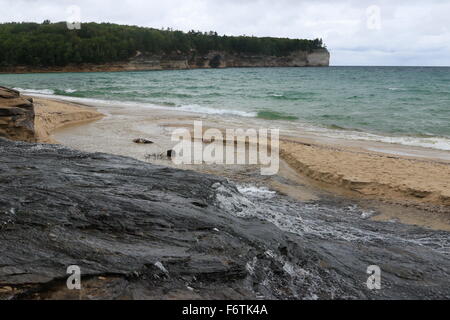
(373, 175)
(53, 114)
(405, 184)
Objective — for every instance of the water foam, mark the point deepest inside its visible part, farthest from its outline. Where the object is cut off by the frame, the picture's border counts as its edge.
(193, 108)
(36, 91)
(214, 111)
(438, 143)
(329, 222)
(257, 192)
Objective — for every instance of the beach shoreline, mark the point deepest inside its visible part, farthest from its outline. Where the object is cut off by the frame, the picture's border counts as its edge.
(414, 183)
(53, 114)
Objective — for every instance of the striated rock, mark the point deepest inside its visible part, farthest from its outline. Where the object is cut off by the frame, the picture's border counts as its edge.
(193, 60)
(218, 59)
(319, 58)
(141, 231)
(16, 116)
(316, 58)
(7, 93)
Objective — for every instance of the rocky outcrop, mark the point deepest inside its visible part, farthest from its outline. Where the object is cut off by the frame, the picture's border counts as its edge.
(179, 61)
(25, 119)
(16, 116)
(140, 231)
(217, 59)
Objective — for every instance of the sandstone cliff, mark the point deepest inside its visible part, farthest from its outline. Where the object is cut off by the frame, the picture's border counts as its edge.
(22, 119)
(217, 59)
(179, 61)
(16, 116)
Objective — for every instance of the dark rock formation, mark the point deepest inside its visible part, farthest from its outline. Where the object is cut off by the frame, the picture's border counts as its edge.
(138, 230)
(142, 141)
(170, 153)
(16, 116)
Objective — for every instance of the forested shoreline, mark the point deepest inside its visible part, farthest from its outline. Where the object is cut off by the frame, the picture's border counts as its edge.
(53, 44)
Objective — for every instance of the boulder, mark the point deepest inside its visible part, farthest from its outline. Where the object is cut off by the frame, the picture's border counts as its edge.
(16, 116)
(142, 141)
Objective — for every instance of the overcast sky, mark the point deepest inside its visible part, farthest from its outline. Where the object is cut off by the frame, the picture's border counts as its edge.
(357, 32)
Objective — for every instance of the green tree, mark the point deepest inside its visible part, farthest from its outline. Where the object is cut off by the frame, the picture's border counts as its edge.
(52, 44)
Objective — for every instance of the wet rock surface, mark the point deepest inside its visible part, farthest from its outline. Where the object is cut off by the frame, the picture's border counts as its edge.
(16, 116)
(140, 231)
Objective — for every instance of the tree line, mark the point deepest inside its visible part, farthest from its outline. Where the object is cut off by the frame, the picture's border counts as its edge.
(53, 44)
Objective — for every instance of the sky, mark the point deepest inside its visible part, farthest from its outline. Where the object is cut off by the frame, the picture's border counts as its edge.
(357, 32)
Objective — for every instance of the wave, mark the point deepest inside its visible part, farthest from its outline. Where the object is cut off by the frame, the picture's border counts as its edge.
(207, 110)
(336, 127)
(46, 91)
(292, 96)
(439, 143)
(187, 108)
(35, 91)
(68, 92)
(164, 94)
(273, 115)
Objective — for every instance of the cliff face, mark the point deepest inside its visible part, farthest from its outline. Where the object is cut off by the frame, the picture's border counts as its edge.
(217, 59)
(179, 61)
(16, 116)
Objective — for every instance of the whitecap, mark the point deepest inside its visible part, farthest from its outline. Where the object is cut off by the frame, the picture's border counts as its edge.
(439, 143)
(35, 91)
(216, 111)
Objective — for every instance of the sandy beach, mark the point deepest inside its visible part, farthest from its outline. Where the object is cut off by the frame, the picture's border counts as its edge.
(375, 175)
(54, 114)
(411, 188)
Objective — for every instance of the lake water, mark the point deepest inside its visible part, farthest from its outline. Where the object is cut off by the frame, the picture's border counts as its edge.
(404, 105)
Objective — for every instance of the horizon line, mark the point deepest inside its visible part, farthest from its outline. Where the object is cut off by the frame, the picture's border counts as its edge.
(394, 66)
